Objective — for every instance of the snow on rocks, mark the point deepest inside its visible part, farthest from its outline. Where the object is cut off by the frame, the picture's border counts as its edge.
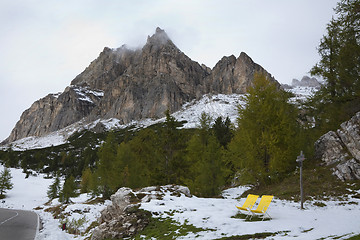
(85, 93)
(123, 218)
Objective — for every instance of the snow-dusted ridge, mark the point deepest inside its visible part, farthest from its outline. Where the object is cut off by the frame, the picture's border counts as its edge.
(214, 105)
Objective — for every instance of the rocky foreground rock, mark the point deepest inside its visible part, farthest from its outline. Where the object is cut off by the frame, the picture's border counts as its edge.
(341, 149)
(124, 218)
(130, 84)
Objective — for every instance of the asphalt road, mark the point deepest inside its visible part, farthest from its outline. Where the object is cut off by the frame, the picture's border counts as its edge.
(17, 224)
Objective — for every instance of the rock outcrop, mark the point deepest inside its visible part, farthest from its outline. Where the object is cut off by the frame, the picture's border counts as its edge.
(135, 84)
(341, 149)
(124, 217)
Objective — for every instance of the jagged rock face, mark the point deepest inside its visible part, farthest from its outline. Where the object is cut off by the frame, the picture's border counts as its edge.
(136, 84)
(106, 68)
(54, 112)
(231, 75)
(341, 149)
(160, 77)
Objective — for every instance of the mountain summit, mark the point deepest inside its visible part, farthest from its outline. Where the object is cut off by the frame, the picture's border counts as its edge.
(160, 37)
(135, 84)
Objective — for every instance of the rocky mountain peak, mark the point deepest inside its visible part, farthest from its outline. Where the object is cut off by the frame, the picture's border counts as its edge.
(130, 85)
(159, 38)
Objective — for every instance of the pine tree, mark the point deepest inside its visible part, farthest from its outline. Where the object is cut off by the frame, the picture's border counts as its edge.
(94, 186)
(85, 180)
(339, 65)
(204, 155)
(68, 190)
(5, 182)
(172, 146)
(222, 130)
(131, 171)
(147, 152)
(266, 141)
(54, 189)
(105, 168)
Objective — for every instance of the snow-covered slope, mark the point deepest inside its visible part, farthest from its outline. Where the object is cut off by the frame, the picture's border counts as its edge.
(29, 193)
(337, 219)
(214, 105)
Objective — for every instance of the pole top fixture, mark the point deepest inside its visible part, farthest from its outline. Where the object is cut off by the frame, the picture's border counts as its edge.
(300, 158)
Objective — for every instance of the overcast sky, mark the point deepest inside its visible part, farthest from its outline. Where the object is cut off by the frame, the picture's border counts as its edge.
(44, 44)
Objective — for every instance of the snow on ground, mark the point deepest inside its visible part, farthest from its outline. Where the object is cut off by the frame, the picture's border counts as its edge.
(302, 93)
(29, 193)
(52, 139)
(219, 105)
(336, 219)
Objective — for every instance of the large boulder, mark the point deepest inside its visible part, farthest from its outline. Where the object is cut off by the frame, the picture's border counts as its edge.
(124, 217)
(341, 149)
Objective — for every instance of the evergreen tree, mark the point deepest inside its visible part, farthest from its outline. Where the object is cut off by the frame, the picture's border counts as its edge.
(147, 151)
(222, 130)
(204, 128)
(132, 171)
(266, 141)
(5, 182)
(94, 186)
(85, 180)
(54, 189)
(172, 150)
(105, 168)
(339, 65)
(68, 190)
(204, 155)
(11, 159)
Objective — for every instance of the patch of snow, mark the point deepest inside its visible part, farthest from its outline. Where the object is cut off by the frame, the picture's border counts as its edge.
(84, 92)
(52, 139)
(220, 105)
(302, 93)
(56, 95)
(96, 93)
